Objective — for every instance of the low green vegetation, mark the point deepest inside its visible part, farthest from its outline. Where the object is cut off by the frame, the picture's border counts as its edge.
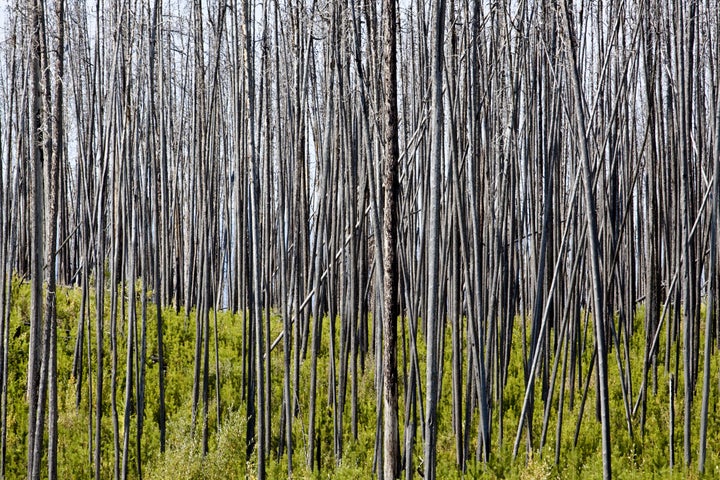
(640, 456)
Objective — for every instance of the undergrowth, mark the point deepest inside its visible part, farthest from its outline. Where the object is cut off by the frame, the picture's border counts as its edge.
(645, 454)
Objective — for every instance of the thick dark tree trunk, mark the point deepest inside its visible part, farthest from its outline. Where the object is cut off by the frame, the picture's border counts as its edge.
(391, 189)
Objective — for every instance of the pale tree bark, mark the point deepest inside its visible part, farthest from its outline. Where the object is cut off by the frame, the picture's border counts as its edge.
(432, 319)
(7, 202)
(56, 159)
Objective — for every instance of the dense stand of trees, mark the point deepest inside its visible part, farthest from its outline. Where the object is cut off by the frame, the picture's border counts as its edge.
(473, 167)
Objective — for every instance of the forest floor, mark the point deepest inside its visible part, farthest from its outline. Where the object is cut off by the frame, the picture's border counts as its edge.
(642, 455)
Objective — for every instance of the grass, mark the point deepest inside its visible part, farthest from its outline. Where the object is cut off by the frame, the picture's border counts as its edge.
(636, 457)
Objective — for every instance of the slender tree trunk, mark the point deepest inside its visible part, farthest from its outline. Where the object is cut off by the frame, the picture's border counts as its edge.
(56, 160)
(36, 119)
(391, 189)
(710, 312)
(594, 246)
(432, 312)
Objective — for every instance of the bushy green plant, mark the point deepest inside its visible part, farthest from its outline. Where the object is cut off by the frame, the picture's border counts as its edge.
(642, 455)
